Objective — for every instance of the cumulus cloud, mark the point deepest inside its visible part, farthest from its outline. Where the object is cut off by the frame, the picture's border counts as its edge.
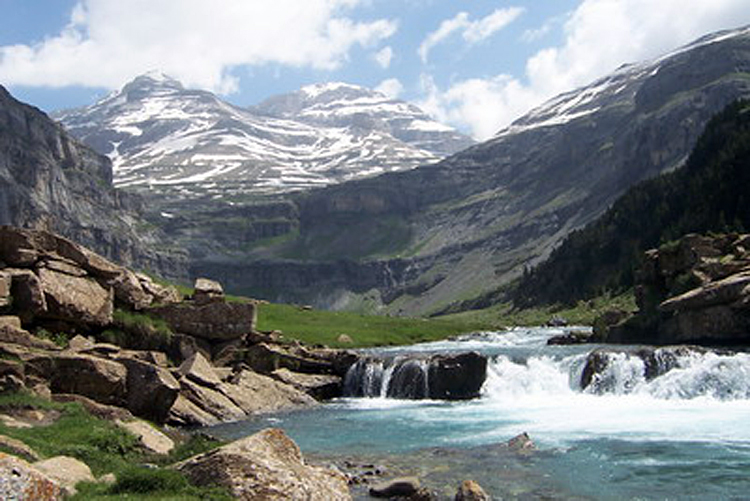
(391, 87)
(107, 42)
(384, 56)
(600, 35)
(471, 31)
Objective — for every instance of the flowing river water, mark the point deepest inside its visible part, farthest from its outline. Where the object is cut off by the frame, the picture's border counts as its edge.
(682, 435)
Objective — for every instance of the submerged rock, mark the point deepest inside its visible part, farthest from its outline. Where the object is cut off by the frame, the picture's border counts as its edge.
(269, 466)
(397, 487)
(469, 490)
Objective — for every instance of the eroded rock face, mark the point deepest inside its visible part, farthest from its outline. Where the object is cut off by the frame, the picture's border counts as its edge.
(76, 298)
(268, 466)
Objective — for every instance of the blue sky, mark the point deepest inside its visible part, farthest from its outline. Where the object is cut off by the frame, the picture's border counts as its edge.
(476, 64)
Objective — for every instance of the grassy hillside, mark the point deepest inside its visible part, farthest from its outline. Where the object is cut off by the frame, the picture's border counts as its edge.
(325, 327)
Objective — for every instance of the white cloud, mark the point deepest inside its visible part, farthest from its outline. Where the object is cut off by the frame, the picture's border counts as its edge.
(384, 57)
(600, 35)
(108, 42)
(471, 31)
(391, 87)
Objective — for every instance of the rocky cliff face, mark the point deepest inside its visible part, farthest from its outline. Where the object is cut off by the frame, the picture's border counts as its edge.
(473, 221)
(50, 181)
(695, 290)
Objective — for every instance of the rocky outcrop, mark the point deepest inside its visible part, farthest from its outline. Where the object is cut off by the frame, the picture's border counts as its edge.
(56, 280)
(318, 386)
(694, 290)
(50, 181)
(269, 466)
(213, 321)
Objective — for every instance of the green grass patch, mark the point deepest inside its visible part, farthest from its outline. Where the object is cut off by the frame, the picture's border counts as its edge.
(106, 448)
(324, 327)
(505, 315)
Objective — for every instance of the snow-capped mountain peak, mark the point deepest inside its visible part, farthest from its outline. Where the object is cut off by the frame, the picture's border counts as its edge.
(166, 138)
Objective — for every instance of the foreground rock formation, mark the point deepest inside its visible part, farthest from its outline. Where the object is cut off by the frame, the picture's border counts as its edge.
(268, 466)
(695, 290)
(139, 345)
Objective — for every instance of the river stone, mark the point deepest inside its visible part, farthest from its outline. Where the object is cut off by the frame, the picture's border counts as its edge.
(21, 481)
(266, 466)
(67, 471)
(397, 487)
(469, 490)
(457, 377)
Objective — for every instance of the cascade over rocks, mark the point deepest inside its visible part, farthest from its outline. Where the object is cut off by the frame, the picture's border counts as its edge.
(694, 290)
(444, 377)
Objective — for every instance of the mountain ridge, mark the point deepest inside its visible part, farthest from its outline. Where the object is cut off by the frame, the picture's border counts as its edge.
(164, 138)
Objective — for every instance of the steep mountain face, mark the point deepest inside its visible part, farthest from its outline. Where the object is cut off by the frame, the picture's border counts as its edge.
(417, 241)
(50, 181)
(165, 139)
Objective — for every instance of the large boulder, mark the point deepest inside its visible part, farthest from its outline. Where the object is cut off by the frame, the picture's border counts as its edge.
(318, 386)
(267, 357)
(207, 291)
(457, 377)
(215, 321)
(102, 380)
(27, 293)
(255, 393)
(22, 481)
(67, 471)
(150, 439)
(269, 466)
(186, 413)
(76, 299)
(199, 370)
(213, 401)
(151, 390)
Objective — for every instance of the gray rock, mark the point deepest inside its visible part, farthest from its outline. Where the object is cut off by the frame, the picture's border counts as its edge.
(18, 448)
(207, 291)
(318, 386)
(199, 370)
(267, 465)
(67, 471)
(397, 487)
(78, 300)
(19, 480)
(216, 321)
(102, 380)
(151, 390)
(469, 490)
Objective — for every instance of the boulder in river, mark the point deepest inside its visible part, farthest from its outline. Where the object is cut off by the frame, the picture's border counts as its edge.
(267, 465)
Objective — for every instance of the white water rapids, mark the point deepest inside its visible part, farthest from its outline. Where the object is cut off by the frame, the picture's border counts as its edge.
(681, 434)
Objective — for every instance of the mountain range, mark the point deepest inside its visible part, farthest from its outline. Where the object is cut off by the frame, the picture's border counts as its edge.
(419, 240)
(165, 139)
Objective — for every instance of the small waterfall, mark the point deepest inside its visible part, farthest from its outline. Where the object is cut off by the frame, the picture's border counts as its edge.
(401, 377)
